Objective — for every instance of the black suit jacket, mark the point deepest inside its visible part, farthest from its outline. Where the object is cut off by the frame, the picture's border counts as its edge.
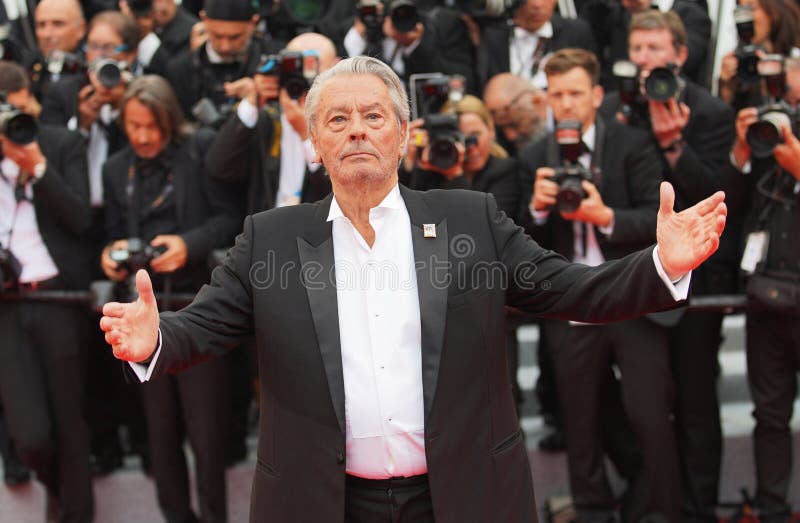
(494, 52)
(61, 200)
(477, 462)
(207, 216)
(245, 158)
(630, 175)
(175, 36)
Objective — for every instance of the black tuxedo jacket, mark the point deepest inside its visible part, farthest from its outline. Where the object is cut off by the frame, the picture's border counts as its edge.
(277, 283)
(243, 157)
(175, 36)
(630, 175)
(493, 55)
(207, 216)
(61, 200)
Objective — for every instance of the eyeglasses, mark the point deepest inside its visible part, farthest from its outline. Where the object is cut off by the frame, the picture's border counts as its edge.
(106, 49)
(501, 116)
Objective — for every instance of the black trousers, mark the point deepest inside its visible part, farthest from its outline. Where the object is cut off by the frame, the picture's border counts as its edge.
(42, 384)
(582, 356)
(773, 360)
(694, 346)
(404, 500)
(189, 405)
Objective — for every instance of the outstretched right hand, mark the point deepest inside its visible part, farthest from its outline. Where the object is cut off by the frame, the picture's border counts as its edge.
(132, 328)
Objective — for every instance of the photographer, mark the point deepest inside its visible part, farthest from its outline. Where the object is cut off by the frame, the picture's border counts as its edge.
(766, 187)
(164, 213)
(519, 111)
(169, 23)
(481, 163)
(232, 51)
(264, 151)
(764, 26)
(44, 221)
(60, 28)
(590, 216)
(693, 132)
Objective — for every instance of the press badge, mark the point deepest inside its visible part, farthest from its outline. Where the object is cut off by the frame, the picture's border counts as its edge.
(754, 251)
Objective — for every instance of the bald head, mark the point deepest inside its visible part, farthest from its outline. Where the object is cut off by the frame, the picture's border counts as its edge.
(518, 108)
(59, 25)
(319, 43)
(504, 87)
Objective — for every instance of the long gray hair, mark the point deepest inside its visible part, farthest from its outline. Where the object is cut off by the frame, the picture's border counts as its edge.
(359, 65)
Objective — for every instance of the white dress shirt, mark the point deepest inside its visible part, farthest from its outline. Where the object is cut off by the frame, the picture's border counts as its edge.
(380, 334)
(522, 48)
(25, 241)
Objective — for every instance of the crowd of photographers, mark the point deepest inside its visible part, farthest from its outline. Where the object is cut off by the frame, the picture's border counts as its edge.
(138, 133)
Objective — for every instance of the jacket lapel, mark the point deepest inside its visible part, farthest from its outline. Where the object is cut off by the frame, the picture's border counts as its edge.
(431, 260)
(315, 251)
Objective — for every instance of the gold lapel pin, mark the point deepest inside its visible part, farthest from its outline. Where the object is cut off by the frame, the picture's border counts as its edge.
(429, 230)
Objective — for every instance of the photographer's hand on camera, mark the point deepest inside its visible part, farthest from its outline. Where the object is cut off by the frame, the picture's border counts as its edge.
(88, 107)
(242, 89)
(545, 190)
(112, 269)
(26, 156)
(295, 113)
(418, 153)
(787, 154)
(741, 149)
(175, 255)
(668, 121)
(592, 209)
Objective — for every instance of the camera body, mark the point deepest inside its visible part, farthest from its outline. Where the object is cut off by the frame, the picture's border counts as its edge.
(746, 51)
(137, 256)
(110, 72)
(17, 126)
(371, 15)
(571, 174)
(764, 134)
(61, 62)
(664, 84)
(429, 93)
(296, 70)
(10, 269)
(9, 49)
(661, 85)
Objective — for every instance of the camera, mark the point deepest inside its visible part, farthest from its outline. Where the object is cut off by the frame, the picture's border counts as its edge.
(746, 52)
(371, 15)
(664, 83)
(572, 173)
(10, 269)
(404, 15)
(19, 127)
(296, 70)
(482, 9)
(137, 256)
(9, 50)
(110, 72)
(767, 132)
(633, 105)
(429, 93)
(140, 8)
(61, 62)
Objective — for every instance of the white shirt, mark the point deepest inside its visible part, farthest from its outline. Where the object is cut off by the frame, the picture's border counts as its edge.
(521, 50)
(25, 241)
(380, 334)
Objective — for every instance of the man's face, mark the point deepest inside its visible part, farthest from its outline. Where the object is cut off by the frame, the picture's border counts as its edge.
(142, 130)
(163, 12)
(58, 26)
(654, 48)
(572, 96)
(21, 100)
(518, 117)
(228, 38)
(534, 13)
(104, 42)
(358, 137)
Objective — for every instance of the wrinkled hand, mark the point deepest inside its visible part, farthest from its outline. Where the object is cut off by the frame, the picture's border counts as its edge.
(267, 87)
(668, 121)
(741, 149)
(132, 328)
(592, 209)
(787, 154)
(174, 257)
(686, 239)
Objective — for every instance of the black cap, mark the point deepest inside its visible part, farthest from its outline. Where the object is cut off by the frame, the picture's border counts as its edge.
(232, 10)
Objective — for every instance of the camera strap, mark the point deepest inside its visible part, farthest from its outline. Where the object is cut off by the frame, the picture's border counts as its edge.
(133, 215)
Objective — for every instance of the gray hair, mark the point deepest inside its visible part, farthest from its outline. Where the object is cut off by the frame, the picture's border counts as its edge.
(359, 65)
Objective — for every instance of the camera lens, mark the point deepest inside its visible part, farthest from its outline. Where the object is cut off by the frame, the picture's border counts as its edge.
(766, 133)
(570, 194)
(661, 85)
(109, 74)
(21, 129)
(295, 87)
(443, 153)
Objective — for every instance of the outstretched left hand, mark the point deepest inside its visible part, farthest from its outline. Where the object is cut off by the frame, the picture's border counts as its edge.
(687, 238)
